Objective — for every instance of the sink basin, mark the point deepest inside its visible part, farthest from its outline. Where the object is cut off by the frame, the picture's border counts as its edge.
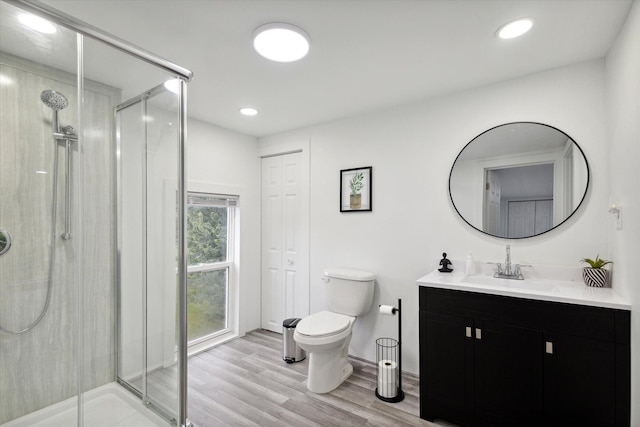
(531, 285)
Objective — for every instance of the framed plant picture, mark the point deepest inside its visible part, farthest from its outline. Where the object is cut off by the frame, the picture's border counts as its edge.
(355, 189)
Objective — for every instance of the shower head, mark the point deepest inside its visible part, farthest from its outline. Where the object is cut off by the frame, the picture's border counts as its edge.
(54, 100)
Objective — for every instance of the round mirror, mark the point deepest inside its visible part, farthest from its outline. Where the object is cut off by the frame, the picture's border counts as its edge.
(5, 241)
(519, 180)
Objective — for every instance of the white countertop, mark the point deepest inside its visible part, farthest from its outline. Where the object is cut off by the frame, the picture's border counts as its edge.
(571, 292)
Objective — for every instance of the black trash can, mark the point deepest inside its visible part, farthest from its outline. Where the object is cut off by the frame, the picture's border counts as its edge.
(292, 351)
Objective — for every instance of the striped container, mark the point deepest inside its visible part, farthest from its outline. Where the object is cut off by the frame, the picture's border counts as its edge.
(596, 277)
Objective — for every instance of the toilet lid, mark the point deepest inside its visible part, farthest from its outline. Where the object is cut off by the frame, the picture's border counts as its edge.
(323, 323)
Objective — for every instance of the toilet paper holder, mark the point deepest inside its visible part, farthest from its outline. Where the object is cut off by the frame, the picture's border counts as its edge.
(389, 360)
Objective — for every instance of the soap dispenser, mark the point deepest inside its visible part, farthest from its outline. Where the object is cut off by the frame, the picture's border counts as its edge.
(470, 266)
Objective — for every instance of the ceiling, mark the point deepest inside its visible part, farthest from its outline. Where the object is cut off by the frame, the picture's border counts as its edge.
(366, 55)
(515, 139)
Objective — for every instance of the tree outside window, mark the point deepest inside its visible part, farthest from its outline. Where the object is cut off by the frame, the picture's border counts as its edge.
(209, 259)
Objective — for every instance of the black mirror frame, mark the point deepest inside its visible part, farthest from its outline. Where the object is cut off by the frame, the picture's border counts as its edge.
(586, 162)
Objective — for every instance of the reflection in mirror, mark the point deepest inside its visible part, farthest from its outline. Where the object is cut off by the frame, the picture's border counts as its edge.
(519, 180)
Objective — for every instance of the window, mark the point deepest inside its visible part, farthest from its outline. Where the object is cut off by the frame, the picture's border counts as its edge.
(211, 244)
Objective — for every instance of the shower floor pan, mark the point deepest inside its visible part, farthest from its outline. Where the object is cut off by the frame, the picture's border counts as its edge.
(106, 406)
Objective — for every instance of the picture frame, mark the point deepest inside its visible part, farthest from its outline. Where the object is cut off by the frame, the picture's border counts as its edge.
(356, 189)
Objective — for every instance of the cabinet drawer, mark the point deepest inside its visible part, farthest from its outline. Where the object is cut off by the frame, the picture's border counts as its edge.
(571, 319)
(581, 321)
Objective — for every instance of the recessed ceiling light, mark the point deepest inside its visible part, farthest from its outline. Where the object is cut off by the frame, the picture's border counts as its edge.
(515, 28)
(248, 111)
(36, 23)
(281, 42)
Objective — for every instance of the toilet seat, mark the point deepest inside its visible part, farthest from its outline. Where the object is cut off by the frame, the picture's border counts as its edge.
(323, 324)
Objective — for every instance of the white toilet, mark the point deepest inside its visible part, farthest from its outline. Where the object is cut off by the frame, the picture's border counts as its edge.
(325, 336)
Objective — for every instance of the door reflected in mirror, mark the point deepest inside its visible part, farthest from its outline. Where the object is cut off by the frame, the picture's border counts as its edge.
(519, 180)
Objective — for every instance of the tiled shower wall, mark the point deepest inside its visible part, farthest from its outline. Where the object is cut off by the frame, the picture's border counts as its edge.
(77, 334)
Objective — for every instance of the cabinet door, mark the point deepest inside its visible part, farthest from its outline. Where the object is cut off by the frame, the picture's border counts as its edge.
(508, 375)
(442, 367)
(579, 382)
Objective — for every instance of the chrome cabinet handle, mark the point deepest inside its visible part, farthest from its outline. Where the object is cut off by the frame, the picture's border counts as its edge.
(478, 333)
(548, 347)
(468, 331)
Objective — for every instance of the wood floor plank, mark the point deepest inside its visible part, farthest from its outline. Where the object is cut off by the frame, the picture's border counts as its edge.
(323, 413)
(239, 406)
(269, 341)
(354, 393)
(373, 417)
(245, 382)
(395, 411)
(238, 365)
(297, 371)
(290, 380)
(207, 412)
(273, 410)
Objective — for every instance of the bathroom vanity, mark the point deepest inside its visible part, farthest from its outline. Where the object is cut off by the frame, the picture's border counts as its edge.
(498, 352)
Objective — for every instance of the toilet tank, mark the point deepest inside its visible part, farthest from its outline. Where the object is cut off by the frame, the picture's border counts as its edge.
(349, 291)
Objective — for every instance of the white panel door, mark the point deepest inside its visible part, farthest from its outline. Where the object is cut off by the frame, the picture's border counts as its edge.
(285, 278)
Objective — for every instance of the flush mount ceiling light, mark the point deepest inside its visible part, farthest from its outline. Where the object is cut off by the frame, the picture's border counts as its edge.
(36, 23)
(281, 42)
(515, 28)
(248, 111)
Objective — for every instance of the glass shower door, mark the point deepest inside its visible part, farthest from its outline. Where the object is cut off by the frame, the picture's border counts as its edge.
(147, 179)
(61, 345)
(39, 337)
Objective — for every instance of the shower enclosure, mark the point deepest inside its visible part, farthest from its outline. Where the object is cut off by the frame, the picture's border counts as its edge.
(92, 202)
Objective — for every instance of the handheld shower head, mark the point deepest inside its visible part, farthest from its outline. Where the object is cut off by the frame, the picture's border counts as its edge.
(54, 100)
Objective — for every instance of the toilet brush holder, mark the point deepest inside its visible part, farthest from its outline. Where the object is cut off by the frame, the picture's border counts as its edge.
(389, 361)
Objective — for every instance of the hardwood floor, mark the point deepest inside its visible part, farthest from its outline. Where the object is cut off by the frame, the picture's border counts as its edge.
(246, 383)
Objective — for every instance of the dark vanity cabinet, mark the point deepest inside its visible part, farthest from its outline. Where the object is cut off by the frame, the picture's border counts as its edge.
(489, 360)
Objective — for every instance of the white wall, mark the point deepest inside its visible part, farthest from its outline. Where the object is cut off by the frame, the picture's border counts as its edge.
(229, 162)
(623, 143)
(411, 149)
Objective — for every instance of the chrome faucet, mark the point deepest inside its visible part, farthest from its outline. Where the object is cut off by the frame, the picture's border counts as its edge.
(509, 272)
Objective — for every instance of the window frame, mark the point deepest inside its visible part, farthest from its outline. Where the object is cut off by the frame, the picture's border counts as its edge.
(231, 202)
